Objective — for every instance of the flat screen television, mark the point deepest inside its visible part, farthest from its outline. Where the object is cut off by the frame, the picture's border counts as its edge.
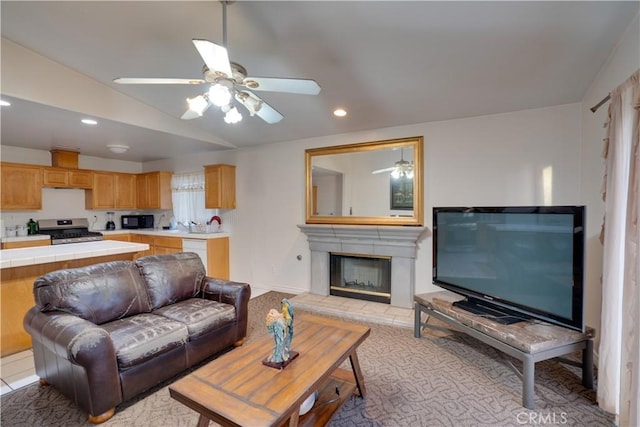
(513, 263)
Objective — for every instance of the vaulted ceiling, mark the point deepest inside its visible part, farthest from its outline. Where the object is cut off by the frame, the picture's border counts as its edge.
(387, 63)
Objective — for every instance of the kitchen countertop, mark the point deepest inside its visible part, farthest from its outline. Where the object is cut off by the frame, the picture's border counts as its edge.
(44, 254)
(151, 232)
(26, 238)
(167, 233)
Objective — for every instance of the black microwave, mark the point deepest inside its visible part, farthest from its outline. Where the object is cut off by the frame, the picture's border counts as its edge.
(136, 221)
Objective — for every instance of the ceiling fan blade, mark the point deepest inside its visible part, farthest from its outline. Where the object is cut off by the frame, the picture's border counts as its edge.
(382, 170)
(157, 81)
(268, 113)
(216, 57)
(275, 84)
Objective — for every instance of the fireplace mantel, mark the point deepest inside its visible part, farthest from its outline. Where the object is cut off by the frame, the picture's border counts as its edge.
(398, 242)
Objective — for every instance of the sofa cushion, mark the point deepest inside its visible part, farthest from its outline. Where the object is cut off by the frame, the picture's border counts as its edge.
(98, 293)
(171, 278)
(139, 338)
(199, 315)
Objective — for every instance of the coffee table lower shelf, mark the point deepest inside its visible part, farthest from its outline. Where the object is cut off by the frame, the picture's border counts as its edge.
(328, 402)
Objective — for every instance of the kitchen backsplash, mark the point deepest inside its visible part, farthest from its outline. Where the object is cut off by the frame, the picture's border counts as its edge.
(58, 203)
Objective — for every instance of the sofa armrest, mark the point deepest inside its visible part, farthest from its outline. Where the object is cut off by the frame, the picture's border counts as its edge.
(81, 343)
(234, 293)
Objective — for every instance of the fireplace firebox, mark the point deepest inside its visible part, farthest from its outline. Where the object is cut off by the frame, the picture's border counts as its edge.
(360, 276)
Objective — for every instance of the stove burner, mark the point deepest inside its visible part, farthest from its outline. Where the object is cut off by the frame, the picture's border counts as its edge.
(68, 231)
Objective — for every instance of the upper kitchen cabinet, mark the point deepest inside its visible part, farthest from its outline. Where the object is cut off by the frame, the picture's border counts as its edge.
(112, 191)
(66, 178)
(103, 193)
(125, 197)
(220, 186)
(154, 190)
(21, 187)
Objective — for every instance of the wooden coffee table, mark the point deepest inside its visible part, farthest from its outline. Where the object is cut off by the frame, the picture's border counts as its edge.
(237, 389)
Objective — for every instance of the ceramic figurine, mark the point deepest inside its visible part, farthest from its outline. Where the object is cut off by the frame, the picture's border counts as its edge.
(287, 314)
(276, 325)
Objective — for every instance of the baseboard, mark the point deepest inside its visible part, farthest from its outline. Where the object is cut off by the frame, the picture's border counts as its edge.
(284, 289)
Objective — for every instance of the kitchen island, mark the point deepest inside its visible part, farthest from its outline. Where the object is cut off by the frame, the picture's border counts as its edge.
(19, 268)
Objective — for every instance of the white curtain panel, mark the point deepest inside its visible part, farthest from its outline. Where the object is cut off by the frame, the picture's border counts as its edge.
(187, 193)
(619, 352)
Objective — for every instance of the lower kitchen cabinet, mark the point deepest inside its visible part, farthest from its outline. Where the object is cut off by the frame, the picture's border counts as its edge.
(142, 238)
(25, 244)
(158, 245)
(166, 245)
(124, 237)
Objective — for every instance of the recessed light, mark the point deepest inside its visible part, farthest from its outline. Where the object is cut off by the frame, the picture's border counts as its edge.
(4, 103)
(89, 122)
(339, 112)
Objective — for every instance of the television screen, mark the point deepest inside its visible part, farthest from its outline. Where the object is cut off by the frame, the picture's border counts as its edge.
(526, 260)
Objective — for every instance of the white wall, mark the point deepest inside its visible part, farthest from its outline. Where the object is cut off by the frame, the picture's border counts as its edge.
(489, 160)
(623, 62)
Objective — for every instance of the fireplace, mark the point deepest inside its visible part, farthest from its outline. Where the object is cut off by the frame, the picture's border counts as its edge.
(394, 242)
(360, 276)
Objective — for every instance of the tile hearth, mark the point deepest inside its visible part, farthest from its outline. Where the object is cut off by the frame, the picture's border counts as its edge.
(355, 309)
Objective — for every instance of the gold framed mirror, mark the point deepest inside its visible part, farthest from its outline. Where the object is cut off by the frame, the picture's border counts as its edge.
(369, 183)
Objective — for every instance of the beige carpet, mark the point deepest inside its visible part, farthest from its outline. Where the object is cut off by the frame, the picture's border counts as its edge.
(433, 381)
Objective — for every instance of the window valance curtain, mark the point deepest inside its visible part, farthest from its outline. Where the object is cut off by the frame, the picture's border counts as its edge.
(187, 191)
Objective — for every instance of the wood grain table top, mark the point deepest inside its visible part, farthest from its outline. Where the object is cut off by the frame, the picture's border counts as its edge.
(237, 389)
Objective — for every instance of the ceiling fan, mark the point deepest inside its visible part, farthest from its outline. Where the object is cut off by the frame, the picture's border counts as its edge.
(401, 168)
(228, 81)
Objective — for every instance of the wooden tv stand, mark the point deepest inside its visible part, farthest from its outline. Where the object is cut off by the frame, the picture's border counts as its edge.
(530, 341)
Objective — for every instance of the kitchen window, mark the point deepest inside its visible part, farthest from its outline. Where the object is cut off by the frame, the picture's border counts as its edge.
(187, 192)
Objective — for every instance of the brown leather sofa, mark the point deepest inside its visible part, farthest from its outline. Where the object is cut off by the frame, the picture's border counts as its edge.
(104, 333)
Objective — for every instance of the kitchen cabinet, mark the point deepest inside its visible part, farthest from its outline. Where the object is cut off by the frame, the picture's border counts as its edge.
(154, 190)
(26, 244)
(102, 193)
(166, 245)
(111, 191)
(142, 238)
(220, 186)
(158, 245)
(122, 237)
(214, 254)
(21, 187)
(65, 178)
(125, 188)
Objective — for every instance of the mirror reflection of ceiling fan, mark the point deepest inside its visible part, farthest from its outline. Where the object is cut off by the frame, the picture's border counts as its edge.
(401, 168)
(228, 81)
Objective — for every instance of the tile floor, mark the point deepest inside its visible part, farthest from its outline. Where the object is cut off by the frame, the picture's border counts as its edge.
(18, 370)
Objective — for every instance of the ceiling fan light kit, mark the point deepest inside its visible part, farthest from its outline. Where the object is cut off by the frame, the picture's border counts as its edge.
(400, 169)
(228, 82)
(197, 105)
